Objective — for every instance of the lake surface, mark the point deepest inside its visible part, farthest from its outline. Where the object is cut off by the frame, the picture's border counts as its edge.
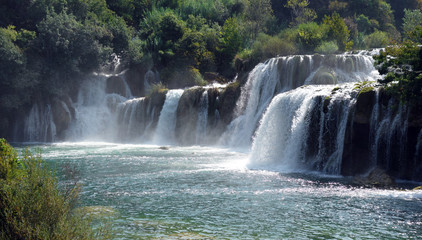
(209, 193)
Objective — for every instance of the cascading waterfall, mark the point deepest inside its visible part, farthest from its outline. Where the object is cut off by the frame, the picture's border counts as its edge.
(92, 112)
(164, 133)
(319, 127)
(333, 129)
(280, 141)
(391, 130)
(288, 129)
(285, 73)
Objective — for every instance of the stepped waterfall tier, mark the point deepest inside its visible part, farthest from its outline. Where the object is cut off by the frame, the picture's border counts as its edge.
(293, 114)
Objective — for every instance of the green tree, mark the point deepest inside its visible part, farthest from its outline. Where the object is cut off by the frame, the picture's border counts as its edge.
(231, 40)
(338, 31)
(364, 24)
(310, 35)
(412, 24)
(258, 14)
(300, 11)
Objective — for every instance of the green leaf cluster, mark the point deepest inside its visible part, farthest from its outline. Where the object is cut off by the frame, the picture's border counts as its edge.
(402, 67)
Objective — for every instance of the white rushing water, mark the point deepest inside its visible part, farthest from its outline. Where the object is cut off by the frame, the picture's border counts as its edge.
(92, 114)
(164, 133)
(39, 125)
(282, 139)
(282, 74)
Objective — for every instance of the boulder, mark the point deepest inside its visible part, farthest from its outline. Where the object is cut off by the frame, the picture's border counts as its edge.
(377, 177)
(364, 105)
(324, 76)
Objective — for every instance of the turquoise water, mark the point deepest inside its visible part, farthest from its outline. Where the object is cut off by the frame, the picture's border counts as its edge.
(208, 193)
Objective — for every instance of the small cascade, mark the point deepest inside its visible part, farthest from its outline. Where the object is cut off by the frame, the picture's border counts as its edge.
(391, 135)
(93, 111)
(164, 133)
(285, 73)
(374, 125)
(202, 121)
(255, 97)
(127, 88)
(333, 123)
(134, 120)
(39, 125)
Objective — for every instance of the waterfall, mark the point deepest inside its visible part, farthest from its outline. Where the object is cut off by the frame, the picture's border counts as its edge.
(92, 111)
(282, 74)
(286, 133)
(333, 129)
(202, 121)
(164, 133)
(280, 141)
(39, 125)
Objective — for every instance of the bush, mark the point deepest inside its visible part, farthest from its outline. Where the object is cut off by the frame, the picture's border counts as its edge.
(267, 47)
(327, 48)
(377, 39)
(310, 35)
(402, 65)
(31, 205)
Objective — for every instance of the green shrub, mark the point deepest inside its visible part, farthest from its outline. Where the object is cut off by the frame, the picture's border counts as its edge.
(31, 204)
(376, 40)
(327, 48)
(158, 88)
(267, 47)
(310, 35)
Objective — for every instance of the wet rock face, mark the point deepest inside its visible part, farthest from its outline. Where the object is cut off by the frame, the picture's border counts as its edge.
(115, 84)
(377, 177)
(135, 77)
(63, 113)
(187, 116)
(364, 106)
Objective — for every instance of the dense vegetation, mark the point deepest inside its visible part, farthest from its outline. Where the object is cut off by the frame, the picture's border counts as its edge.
(402, 63)
(31, 204)
(46, 46)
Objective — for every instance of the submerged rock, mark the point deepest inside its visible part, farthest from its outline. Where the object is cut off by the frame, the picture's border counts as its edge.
(377, 177)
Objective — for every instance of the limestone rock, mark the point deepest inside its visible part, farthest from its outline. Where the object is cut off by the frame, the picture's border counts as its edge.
(377, 177)
(364, 105)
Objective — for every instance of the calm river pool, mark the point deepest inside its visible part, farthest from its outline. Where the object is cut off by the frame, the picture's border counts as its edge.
(209, 193)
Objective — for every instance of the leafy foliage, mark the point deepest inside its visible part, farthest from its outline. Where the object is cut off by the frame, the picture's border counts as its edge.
(338, 31)
(300, 11)
(376, 39)
(31, 205)
(412, 24)
(402, 65)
